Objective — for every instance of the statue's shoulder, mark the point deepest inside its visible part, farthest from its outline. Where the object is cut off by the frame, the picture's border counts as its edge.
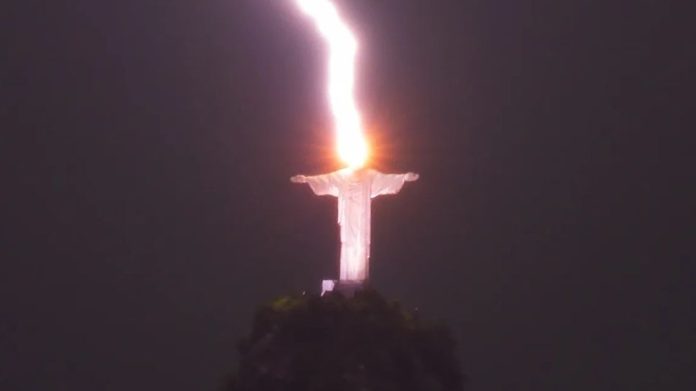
(374, 173)
(341, 173)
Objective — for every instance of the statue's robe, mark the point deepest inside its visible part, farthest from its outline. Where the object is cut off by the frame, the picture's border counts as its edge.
(354, 190)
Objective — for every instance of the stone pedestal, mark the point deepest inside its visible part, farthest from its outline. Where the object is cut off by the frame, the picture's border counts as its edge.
(346, 287)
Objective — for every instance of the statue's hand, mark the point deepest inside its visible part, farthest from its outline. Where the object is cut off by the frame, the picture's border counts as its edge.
(298, 179)
(411, 177)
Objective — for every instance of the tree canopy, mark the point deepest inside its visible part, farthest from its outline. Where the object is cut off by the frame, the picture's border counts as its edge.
(330, 342)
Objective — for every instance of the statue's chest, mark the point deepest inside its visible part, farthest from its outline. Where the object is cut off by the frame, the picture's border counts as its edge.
(357, 191)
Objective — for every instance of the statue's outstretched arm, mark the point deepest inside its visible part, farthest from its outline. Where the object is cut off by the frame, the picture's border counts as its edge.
(320, 184)
(390, 183)
(411, 177)
(298, 179)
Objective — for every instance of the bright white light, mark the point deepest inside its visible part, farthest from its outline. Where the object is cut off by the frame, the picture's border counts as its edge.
(350, 139)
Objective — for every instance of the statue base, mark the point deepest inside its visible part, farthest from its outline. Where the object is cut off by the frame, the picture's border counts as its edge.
(346, 287)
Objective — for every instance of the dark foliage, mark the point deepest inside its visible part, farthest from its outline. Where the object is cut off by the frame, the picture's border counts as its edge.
(313, 343)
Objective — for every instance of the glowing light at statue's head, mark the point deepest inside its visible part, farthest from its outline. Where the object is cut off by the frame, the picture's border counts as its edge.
(350, 138)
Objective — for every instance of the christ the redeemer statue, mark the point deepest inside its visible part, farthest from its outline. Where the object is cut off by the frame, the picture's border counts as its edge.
(354, 188)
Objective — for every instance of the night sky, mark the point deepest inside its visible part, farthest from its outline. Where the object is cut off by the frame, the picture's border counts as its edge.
(147, 147)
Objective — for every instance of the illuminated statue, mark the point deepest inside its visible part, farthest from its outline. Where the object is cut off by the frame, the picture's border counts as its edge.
(354, 188)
